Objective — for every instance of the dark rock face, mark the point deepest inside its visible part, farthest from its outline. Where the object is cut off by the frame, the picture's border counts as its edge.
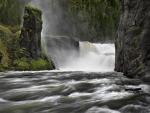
(133, 38)
(31, 32)
(33, 57)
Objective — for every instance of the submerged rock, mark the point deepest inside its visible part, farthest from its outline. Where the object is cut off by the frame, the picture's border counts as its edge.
(132, 41)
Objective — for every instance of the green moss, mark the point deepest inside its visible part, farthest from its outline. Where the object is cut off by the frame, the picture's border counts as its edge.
(34, 12)
(5, 31)
(21, 52)
(11, 11)
(31, 8)
(17, 34)
(22, 64)
(3, 50)
(101, 16)
(40, 64)
(14, 29)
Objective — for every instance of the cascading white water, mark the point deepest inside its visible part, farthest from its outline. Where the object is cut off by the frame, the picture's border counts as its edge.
(92, 57)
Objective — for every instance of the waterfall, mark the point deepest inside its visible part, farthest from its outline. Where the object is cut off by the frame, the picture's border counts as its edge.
(92, 57)
(63, 50)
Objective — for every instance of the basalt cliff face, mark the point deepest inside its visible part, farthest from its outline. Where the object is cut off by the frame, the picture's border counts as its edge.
(133, 38)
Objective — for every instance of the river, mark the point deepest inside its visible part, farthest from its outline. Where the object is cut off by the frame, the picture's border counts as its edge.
(84, 83)
(72, 92)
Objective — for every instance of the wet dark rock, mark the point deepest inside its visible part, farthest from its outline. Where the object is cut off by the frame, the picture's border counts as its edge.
(32, 58)
(132, 41)
(133, 89)
(31, 32)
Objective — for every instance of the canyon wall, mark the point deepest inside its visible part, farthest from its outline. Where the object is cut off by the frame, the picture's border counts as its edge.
(133, 38)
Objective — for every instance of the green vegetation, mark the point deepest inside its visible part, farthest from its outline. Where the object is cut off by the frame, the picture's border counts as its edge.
(16, 58)
(4, 60)
(101, 15)
(10, 19)
(22, 64)
(40, 64)
(99, 18)
(10, 12)
(12, 55)
(5, 35)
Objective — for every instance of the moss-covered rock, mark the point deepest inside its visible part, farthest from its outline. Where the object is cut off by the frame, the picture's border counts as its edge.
(31, 32)
(30, 40)
(20, 49)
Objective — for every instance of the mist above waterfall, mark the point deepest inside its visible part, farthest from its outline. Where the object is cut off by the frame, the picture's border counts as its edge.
(54, 17)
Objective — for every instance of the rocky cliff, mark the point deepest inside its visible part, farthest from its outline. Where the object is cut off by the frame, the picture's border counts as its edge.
(133, 38)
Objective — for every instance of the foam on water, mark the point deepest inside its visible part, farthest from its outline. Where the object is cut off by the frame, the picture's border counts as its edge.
(101, 110)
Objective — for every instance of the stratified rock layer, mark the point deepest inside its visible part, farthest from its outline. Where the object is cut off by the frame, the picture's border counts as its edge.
(133, 38)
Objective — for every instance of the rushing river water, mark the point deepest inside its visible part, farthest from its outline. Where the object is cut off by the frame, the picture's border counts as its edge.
(78, 91)
(72, 92)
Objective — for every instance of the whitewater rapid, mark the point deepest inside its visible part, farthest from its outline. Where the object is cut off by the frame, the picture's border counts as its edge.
(72, 92)
(92, 57)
